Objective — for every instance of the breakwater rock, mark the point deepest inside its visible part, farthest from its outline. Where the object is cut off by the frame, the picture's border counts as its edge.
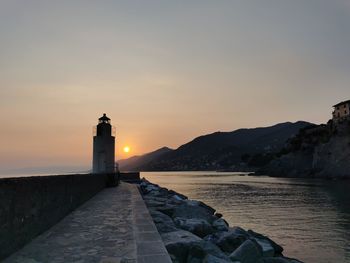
(192, 232)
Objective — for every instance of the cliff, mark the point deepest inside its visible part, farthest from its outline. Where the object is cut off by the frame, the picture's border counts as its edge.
(317, 151)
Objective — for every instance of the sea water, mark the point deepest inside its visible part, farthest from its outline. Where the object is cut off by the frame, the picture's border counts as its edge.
(310, 218)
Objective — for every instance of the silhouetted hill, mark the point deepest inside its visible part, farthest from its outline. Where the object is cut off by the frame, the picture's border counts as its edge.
(238, 149)
(136, 162)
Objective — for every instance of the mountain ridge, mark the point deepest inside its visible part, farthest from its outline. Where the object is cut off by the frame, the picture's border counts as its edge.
(218, 150)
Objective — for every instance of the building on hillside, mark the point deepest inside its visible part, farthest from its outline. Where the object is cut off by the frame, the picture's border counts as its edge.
(341, 111)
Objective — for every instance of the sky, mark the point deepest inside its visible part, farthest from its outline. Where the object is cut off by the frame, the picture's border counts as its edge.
(164, 71)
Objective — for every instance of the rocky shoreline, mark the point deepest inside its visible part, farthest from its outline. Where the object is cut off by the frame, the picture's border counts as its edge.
(192, 232)
(319, 151)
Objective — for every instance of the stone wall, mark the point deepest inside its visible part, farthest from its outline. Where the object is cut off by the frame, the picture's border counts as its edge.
(130, 177)
(31, 205)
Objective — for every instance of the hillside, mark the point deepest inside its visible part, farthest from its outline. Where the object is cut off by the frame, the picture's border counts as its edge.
(220, 150)
(318, 151)
(136, 162)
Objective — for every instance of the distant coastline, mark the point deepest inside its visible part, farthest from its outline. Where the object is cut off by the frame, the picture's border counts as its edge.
(239, 150)
(288, 149)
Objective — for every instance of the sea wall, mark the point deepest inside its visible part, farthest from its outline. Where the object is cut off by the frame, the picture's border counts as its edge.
(31, 205)
(130, 177)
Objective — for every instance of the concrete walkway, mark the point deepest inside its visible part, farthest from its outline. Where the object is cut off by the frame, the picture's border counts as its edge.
(112, 227)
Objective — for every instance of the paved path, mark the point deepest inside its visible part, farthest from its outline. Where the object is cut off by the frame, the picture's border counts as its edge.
(112, 227)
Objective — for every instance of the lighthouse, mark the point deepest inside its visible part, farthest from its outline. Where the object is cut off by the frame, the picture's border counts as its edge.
(103, 147)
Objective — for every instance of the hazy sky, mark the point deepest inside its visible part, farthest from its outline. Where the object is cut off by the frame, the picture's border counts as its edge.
(164, 71)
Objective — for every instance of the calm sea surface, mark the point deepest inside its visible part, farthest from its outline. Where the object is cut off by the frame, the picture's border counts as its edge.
(309, 218)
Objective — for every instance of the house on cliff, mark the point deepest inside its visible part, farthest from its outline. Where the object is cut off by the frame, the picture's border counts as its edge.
(341, 111)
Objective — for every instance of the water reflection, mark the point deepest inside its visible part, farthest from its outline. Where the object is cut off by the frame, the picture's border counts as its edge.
(309, 218)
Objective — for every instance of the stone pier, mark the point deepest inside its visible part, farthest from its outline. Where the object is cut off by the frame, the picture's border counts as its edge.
(112, 227)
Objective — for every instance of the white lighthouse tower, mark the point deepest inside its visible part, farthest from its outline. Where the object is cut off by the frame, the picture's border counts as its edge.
(104, 147)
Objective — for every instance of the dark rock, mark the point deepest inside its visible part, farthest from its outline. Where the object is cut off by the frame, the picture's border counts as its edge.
(148, 188)
(163, 222)
(163, 192)
(175, 199)
(279, 260)
(278, 249)
(178, 243)
(171, 192)
(227, 241)
(155, 193)
(154, 203)
(218, 215)
(213, 259)
(239, 231)
(248, 252)
(162, 200)
(196, 226)
(167, 209)
(220, 225)
(266, 247)
(274, 260)
(160, 217)
(201, 204)
(203, 251)
(165, 228)
(191, 210)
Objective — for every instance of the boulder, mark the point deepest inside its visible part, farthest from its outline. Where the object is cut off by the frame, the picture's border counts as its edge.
(159, 217)
(213, 259)
(220, 225)
(156, 193)
(164, 192)
(218, 215)
(196, 226)
(227, 241)
(163, 222)
(175, 199)
(279, 260)
(239, 231)
(150, 188)
(204, 251)
(201, 204)
(157, 199)
(277, 248)
(178, 243)
(165, 228)
(171, 192)
(266, 247)
(167, 209)
(154, 203)
(248, 252)
(193, 210)
(143, 185)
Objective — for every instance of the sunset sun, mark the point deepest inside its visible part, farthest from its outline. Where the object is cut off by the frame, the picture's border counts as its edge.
(126, 149)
